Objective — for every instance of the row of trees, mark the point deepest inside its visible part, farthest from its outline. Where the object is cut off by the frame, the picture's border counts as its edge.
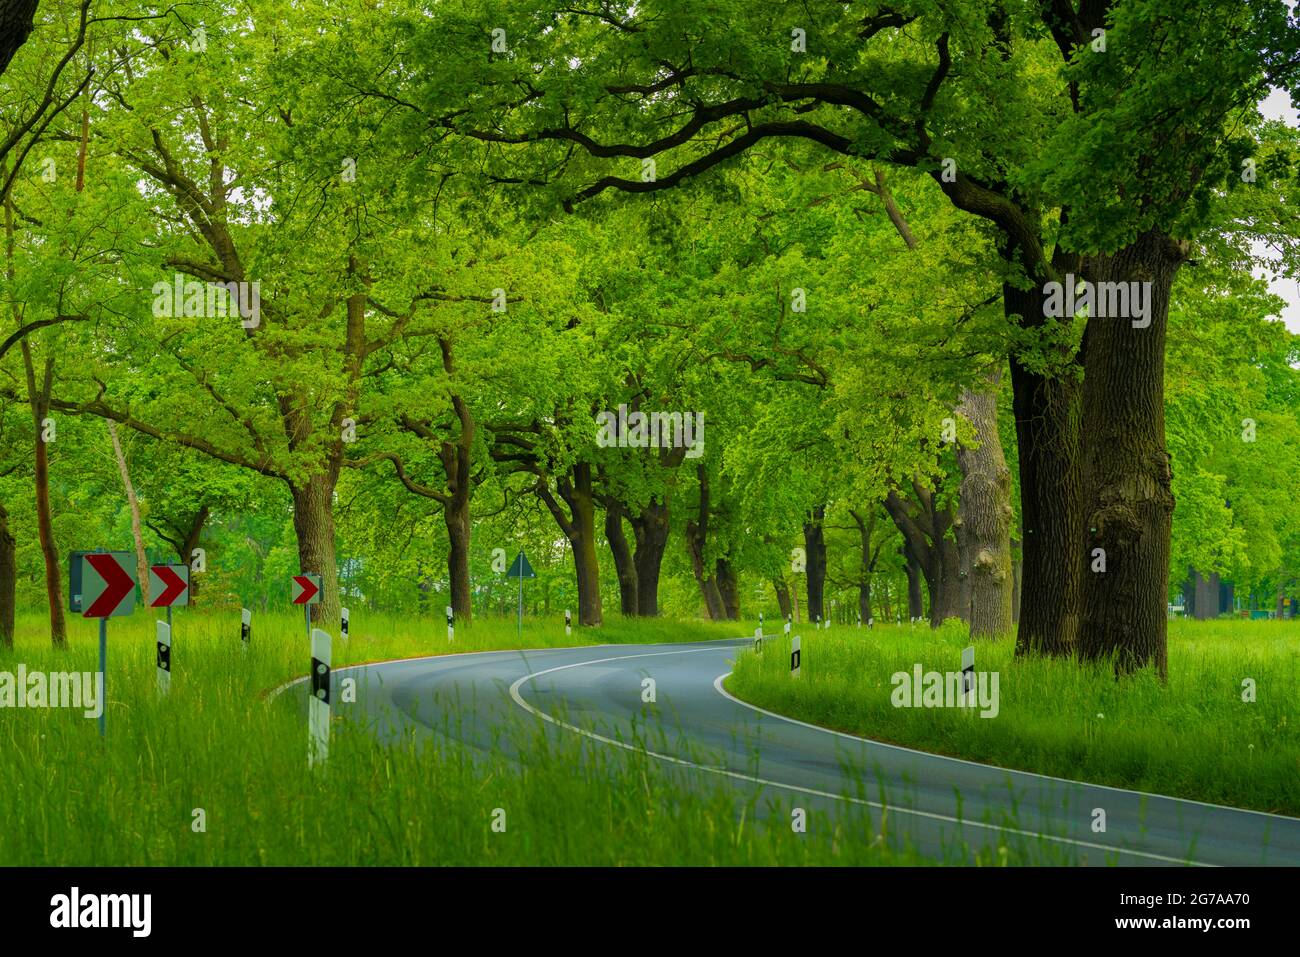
(458, 237)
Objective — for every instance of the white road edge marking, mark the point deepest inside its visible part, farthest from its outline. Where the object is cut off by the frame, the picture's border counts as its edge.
(518, 699)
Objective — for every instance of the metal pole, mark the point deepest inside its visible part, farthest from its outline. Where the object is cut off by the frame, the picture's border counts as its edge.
(521, 603)
(103, 672)
(306, 616)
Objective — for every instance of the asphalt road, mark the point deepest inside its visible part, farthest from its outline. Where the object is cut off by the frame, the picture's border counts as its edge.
(946, 808)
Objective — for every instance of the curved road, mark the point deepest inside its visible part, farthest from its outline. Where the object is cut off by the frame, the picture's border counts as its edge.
(937, 805)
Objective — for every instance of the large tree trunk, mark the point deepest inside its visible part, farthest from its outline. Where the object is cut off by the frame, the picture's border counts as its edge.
(814, 540)
(1051, 497)
(650, 527)
(455, 515)
(915, 602)
(697, 541)
(985, 513)
(1127, 500)
(1017, 574)
(624, 567)
(40, 405)
(582, 504)
(133, 504)
(192, 536)
(313, 523)
(579, 527)
(728, 589)
(782, 597)
(8, 581)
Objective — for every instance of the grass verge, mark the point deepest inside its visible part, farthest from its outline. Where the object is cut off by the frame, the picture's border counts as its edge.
(1195, 737)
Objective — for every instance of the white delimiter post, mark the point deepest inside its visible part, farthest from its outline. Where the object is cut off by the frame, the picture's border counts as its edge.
(794, 657)
(318, 708)
(164, 657)
(451, 625)
(968, 677)
(344, 633)
(246, 626)
(568, 622)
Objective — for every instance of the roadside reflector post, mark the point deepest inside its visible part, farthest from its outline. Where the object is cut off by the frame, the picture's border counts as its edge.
(786, 627)
(568, 622)
(318, 708)
(451, 624)
(164, 657)
(758, 638)
(245, 626)
(760, 624)
(968, 677)
(794, 657)
(344, 625)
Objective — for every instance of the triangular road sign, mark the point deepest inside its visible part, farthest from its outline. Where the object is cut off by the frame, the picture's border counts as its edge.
(521, 568)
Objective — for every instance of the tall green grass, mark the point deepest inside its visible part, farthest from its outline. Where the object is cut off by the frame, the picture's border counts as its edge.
(218, 744)
(1193, 737)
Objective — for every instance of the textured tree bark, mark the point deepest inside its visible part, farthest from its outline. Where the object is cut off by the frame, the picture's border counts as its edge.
(455, 516)
(313, 525)
(1017, 573)
(40, 405)
(133, 504)
(814, 540)
(8, 581)
(985, 512)
(782, 597)
(650, 529)
(624, 567)
(192, 536)
(1127, 500)
(866, 528)
(16, 22)
(697, 540)
(728, 589)
(915, 601)
(1047, 414)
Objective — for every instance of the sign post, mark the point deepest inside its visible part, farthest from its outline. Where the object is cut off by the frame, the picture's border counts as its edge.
(107, 590)
(306, 592)
(521, 570)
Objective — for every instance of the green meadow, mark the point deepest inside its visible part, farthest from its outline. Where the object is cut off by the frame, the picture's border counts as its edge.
(219, 745)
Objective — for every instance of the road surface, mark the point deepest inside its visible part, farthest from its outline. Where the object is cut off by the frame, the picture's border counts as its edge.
(940, 806)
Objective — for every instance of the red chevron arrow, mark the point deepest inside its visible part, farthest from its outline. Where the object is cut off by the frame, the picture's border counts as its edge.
(175, 586)
(308, 587)
(117, 585)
